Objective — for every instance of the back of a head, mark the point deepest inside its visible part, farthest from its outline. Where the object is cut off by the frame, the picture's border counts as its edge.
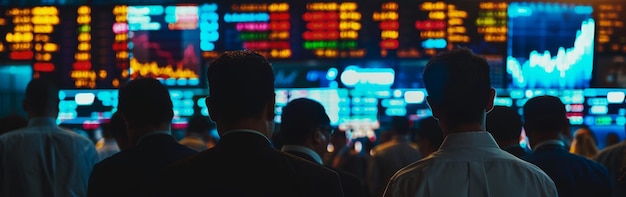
(199, 124)
(240, 85)
(544, 114)
(400, 125)
(428, 128)
(299, 118)
(145, 102)
(458, 83)
(42, 96)
(504, 123)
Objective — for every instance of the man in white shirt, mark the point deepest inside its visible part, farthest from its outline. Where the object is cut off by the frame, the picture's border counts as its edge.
(44, 159)
(469, 161)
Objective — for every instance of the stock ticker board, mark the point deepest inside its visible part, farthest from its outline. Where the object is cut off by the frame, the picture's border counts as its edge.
(528, 44)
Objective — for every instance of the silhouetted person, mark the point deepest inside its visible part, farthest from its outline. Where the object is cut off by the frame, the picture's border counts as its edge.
(614, 159)
(107, 145)
(146, 107)
(339, 142)
(390, 156)
(244, 162)
(584, 143)
(307, 135)
(505, 125)
(574, 175)
(611, 139)
(197, 134)
(44, 159)
(469, 161)
(428, 136)
(119, 131)
(12, 122)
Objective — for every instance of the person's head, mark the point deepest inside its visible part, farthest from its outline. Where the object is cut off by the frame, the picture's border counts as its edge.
(505, 125)
(146, 106)
(241, 90)
(305, 122)
(119, 131)
(199, 125)
(429, 135)
(584, 143)
(400, 125)
(611, 139)
(12, 122)
(459, 90)
(544, 118)
(41, 99)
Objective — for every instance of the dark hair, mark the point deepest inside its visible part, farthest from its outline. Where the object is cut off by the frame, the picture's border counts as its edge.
(300, 117)
(199, 124)
(145, 102)
(504, 123)
(544, 114)
(458, 83)
(240, 85)
(400, 125)
(119, 130)
(41, 95)
(428, 128)
(12, 122)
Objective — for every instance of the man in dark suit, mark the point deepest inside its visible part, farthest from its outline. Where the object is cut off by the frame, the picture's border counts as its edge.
(244, 162)
(574, 175)
(146, 107)
(307, 135)
(505, 124)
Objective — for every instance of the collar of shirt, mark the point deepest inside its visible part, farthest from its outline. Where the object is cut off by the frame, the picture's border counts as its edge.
(42, 121)
(469, 139)
(305, 150)
(165, 132)
(246, 131)
(549, 142)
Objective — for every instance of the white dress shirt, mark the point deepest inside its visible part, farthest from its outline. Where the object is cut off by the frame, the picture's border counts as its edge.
(471, 164)
(45, 160)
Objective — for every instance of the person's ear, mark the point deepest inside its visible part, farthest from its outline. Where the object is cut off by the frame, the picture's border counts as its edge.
(211, 108)
(319, 137)
(270, 108)
(433, 108)
(491, 100)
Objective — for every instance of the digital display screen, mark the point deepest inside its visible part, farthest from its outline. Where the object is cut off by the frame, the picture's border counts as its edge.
(544, 55)
(164, 43)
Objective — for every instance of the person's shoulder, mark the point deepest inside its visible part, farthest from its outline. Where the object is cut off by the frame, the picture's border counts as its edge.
(611, 150)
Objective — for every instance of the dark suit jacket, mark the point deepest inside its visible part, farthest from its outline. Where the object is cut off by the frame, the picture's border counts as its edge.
(518, 151)
(573, 175)
(245, 164)
(133, 172)
(352, 185)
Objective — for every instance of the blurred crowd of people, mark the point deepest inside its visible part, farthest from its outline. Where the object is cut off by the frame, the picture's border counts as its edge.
(468, 147)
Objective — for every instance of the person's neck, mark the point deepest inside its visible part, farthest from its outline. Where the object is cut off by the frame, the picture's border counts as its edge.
(462, 128)
(536, 138)
(136, 133)
(252, 124)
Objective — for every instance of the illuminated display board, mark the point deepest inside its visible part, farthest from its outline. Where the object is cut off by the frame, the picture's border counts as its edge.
(610, 57)
(164, 43)
(261, 27)
(332, 30)
(105, 46)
